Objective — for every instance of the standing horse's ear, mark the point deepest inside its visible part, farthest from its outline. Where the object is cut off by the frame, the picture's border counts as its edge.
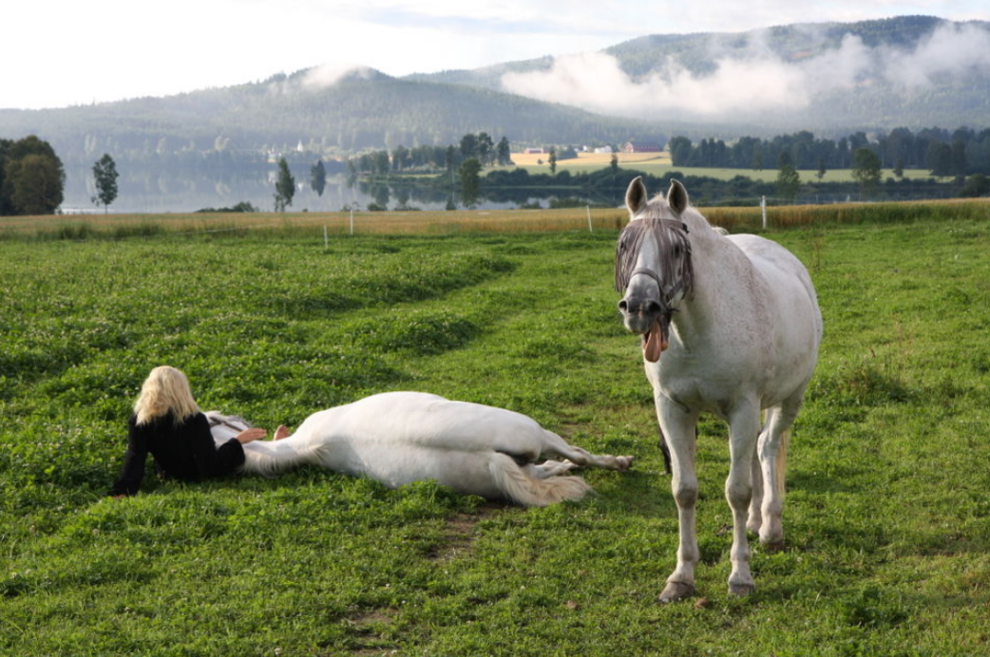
(636, 195)
(677, 197)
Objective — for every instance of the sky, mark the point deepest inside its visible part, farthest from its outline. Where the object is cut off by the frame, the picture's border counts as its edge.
(58, 53)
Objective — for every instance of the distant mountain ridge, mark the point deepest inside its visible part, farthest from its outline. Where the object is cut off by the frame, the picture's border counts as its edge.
(829, 78)
(856, 67)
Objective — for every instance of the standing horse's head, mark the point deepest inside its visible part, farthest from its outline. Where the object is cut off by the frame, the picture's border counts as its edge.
(653, 264)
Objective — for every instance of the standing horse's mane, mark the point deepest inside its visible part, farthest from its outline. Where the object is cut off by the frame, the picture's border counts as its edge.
(671, 237)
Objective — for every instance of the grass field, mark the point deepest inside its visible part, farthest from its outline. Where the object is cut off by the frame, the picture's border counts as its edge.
(887, 518)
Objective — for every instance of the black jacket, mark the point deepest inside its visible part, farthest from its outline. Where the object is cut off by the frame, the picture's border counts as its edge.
(185, 451)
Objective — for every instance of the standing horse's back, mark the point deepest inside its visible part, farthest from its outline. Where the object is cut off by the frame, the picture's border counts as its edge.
(778, 264)
(797, 320)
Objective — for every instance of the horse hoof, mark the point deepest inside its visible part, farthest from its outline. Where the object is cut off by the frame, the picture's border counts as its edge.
(772, 547)
(675, 591)
(625, 462)
(741, 590)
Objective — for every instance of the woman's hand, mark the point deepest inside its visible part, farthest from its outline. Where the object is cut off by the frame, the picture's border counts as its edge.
(254, 433)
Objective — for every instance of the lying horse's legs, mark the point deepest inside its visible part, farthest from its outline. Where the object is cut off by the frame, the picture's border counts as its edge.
(548, 469)
(554, 444)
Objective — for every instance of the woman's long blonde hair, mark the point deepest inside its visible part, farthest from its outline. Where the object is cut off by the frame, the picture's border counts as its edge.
(166, 389)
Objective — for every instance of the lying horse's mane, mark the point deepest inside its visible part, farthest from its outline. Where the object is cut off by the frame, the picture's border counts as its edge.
(216, 418)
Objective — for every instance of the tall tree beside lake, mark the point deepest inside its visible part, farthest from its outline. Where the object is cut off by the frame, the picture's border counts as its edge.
(285, 186)
(318, 178)
(470, 180)
(866, 170)
(504, 154)
(105, 175)
(788, 180)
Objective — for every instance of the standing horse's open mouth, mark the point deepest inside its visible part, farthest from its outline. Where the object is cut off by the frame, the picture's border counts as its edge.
(655, 340)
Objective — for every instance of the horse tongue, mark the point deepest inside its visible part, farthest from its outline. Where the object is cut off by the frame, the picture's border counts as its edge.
(654, 342)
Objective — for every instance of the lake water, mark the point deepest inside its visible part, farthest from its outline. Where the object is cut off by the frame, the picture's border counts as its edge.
(163, 193)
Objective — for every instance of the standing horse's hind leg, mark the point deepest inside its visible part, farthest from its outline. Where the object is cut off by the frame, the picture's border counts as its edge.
(772, 450)
(756, 502)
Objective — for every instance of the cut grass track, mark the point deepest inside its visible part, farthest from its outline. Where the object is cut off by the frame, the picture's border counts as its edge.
(887, 517)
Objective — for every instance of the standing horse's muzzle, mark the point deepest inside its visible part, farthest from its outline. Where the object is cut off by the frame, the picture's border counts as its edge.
(647, 317)
(639, 312)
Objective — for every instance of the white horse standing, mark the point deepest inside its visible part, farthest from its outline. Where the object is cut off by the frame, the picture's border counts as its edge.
(738, 323)
(400, 437)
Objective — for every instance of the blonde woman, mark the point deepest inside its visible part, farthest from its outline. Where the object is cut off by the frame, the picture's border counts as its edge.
(168, 424)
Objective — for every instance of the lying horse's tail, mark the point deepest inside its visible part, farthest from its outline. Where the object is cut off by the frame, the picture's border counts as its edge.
(526, 490)
(270, 457)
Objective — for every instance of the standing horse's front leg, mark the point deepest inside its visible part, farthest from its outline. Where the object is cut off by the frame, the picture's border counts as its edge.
(744, 429)
(679, 427)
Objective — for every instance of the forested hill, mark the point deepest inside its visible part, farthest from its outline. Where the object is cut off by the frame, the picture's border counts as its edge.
(362, 111)
(909, 71)
(832, 79)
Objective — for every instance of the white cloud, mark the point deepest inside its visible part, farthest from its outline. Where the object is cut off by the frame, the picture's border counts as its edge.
(949, 50)
(751, 80)
(328, 75)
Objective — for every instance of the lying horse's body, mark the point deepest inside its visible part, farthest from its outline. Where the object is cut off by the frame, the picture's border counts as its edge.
(400, 437)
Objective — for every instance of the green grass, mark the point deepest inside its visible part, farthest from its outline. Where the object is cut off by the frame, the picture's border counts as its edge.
(887, 518)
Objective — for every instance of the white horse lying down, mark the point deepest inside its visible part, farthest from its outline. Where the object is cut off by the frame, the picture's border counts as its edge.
(400, 437)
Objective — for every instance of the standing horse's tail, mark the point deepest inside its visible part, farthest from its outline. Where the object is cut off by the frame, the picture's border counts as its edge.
(271, 457)
(526, 490)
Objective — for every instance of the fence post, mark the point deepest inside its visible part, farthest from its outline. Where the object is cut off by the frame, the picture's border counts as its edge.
(352, 222)
(589, 219)
(763, 207)
(326, 239)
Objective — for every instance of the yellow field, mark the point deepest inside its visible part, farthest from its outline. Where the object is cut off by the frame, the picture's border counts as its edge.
(379, 223)
(137, 226)
(591, 160)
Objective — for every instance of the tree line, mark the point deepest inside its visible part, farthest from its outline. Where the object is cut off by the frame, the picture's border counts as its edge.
(433, 159)
(961, 152)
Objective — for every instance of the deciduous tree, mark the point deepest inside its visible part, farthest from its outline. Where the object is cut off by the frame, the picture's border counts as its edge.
(318, 177)
(866, 170)
(470, 180)
(105, 176)
(285, 186)
(32, 179)
(36, 184)
(504, 154)
(788, 180)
